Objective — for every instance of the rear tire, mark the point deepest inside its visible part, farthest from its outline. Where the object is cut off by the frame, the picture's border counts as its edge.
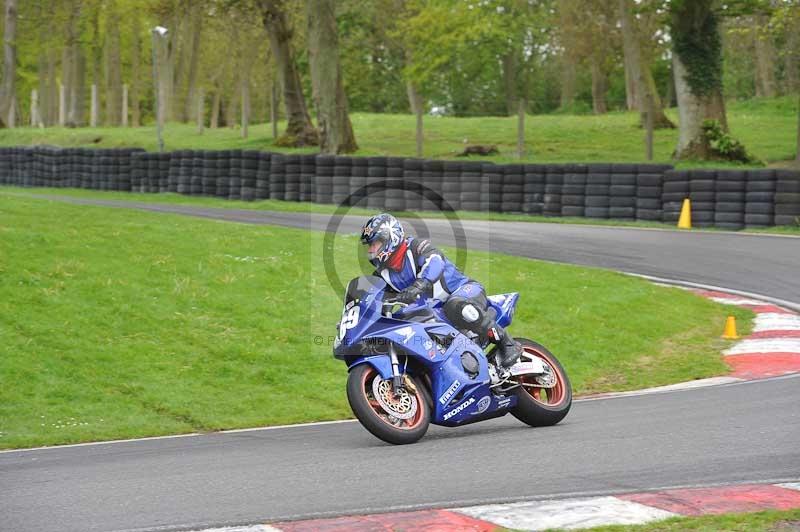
(542, 407)
(375, 419)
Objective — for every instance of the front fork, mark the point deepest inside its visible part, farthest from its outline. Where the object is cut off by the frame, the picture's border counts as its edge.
(397, 378)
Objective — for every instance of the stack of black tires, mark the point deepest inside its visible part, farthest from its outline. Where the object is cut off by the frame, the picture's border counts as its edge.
(729, 208)
(325, 165)
(340, 189)
(249, 175)
(573, 191)
(277, 177)
(469, 197)
(787, 197)
(533, 189)
(759, 206)
(308, 173)
(451, 186)
(405, 194)
(598, 191)
(293, 172)
(674, 191)
(649, 184)
(702, 193)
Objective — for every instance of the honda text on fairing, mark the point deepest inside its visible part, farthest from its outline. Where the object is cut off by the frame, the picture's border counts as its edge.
(408, 367)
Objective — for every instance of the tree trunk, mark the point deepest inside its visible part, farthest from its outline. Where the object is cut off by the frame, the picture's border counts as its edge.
(113, 68)
(52, 89)
(74, 69)
(791, 60)
(7, 85)
(176, 63)
(335, 129)
(630, 50)
(414, 97)
(136, 62)
(764, 59)
(645, 84)
(299, 129)
(631, 100)
(692, 111)
(214, 122)
(599, 88)
(509, 61)
(97, 59)
(567, 81)
(194, 58)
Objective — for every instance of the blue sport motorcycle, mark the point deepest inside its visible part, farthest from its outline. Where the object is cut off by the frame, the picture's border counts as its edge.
(408, 368)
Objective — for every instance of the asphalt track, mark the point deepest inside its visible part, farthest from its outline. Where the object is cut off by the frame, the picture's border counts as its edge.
(762, 264)
(744, 432)
(723, 434)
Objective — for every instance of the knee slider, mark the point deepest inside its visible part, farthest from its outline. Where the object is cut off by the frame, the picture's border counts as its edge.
(463, 313)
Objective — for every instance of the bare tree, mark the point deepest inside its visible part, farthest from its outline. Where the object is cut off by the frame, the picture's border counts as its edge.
(7, 85)
(336, 131)
(299, 129)
(196, 29)
(639, 66)
(113, 67)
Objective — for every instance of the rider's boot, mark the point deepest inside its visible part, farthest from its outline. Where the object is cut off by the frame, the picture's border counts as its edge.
(508, 349)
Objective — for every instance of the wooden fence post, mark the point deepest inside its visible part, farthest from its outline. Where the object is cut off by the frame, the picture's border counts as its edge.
(201, 110)
(94, 107)
(649, 126)
(521, 129)
(245, 108)
(34, 108)
(419, 136)
(62, 105)
(125, 105)
(273, 109)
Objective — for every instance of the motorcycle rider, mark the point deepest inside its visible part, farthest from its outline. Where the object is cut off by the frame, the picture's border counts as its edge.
(413, 268)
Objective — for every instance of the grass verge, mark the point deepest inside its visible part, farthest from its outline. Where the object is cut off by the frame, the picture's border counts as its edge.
(294, 206)
(768, 521)
(118, 324)
(767, 128)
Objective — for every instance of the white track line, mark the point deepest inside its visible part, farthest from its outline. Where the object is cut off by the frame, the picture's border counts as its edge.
(765, 345)
(768, 321)
(569, 513)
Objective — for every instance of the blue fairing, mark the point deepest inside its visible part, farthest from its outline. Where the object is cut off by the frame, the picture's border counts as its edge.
(504, 304)
(429, 346)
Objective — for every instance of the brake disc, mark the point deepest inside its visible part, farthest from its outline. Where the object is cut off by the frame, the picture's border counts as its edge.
(403, 406)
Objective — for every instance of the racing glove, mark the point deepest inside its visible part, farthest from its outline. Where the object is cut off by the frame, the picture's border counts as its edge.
(417, 289)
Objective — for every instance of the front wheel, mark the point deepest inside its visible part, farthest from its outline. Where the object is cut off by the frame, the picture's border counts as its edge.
(397, 420)
(542, 400)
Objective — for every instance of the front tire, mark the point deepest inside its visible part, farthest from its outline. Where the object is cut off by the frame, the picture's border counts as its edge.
(374, 416)
(541, 406)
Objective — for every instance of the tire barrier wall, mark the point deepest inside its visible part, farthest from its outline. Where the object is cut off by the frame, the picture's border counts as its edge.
(726, 198)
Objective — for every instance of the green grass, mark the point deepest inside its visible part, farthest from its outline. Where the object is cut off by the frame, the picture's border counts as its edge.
(768, 521)
(293, 206)
(118, 323)
(768, 128)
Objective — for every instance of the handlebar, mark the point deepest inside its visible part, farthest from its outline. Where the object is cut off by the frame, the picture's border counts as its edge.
(388, 305)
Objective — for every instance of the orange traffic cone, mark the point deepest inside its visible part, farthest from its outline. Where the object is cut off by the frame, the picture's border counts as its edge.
(685, 221)
(730, 329)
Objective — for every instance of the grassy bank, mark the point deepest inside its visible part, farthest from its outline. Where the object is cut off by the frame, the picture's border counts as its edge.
(118, 323)
(768, 128)
(769, 521)
(294, 206)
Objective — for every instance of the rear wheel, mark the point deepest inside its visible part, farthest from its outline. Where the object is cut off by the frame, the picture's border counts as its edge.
(397, 420)
(542, 400)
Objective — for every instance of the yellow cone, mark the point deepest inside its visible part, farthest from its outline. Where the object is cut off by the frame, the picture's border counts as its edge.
(685, 221)
(730, 329)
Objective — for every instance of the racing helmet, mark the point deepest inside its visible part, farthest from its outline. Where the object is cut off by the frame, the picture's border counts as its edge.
(385, 228)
